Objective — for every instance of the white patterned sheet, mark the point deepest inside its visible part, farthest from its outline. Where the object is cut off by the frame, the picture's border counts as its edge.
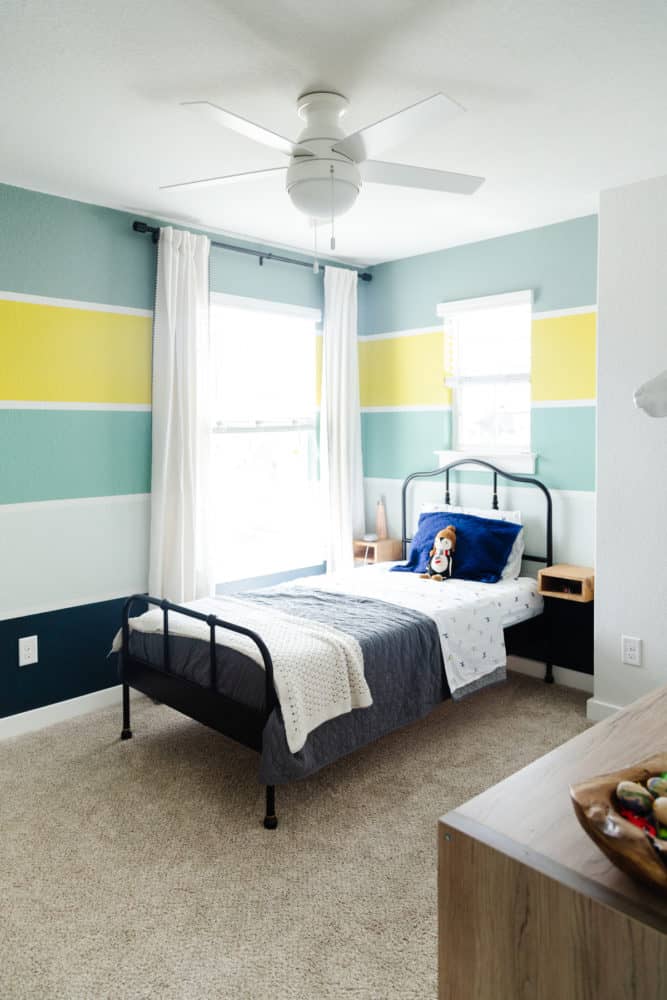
(470, 616)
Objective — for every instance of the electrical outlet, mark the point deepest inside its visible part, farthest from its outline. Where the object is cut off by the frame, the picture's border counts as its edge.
(631, 650)
(27, 650)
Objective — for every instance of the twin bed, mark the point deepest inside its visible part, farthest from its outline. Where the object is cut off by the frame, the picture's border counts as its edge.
(307, 672)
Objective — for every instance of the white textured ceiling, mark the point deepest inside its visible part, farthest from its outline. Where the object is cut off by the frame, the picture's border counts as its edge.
(563, 98)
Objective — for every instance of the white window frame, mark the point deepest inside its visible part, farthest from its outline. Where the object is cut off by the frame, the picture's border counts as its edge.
(512, 460)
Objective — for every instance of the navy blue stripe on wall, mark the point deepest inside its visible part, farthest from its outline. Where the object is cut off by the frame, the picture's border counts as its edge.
(73, 647)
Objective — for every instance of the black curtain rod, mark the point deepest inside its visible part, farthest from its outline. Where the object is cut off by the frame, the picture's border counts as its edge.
(143, 227)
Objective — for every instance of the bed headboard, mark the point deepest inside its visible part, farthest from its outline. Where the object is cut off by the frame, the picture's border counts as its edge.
(445, 470)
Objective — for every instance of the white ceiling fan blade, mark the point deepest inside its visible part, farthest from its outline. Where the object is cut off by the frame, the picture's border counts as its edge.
(247, 128)
(249, 175)
(402, 175)
(397, 128)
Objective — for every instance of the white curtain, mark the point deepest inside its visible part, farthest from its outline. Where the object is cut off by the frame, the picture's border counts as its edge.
(340, 434)
(179, 563)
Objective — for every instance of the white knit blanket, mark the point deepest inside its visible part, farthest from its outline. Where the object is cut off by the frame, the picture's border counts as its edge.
(318, 671)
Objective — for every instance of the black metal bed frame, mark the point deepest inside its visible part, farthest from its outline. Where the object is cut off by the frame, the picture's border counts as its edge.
(240, 722)
(445, 470)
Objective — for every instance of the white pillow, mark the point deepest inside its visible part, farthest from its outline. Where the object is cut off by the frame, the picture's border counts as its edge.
(512, 568)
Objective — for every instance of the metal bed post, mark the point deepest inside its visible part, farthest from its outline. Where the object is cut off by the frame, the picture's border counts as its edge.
(126, 731)
(260, 718)
(270, 703)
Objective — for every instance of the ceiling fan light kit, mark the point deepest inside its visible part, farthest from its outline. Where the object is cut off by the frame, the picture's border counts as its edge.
(328, 168)
(325, 184)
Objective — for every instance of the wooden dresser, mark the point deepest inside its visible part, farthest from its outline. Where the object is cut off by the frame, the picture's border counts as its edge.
(529, 908)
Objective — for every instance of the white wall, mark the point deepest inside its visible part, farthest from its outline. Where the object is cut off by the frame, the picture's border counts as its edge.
(631, 567)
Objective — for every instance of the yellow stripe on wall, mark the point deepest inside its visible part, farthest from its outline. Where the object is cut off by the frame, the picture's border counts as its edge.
(563, 364)
(52, 353)
(403, 371)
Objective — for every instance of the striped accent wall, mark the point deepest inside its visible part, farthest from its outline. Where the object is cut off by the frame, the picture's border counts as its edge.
(406, 408)
(75, 430)
(75, 435)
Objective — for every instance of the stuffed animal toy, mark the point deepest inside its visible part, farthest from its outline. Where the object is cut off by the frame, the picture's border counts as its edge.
(440, 557)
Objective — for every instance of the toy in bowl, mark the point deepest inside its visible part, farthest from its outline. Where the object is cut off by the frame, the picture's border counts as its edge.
(625, 814)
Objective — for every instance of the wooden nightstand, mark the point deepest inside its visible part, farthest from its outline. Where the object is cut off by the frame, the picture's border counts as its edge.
(381, 550)
(568, 593)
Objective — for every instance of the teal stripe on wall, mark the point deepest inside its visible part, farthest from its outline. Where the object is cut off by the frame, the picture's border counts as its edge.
(59, 454)
(564, 439)
(558, 262)
(396, 444)
(70, 250)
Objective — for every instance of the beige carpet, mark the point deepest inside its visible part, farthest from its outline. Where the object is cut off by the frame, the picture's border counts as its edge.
(141, 870)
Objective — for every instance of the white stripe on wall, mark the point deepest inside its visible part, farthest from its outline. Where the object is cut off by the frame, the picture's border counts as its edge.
(574, 311)
(540, 404)
(43, 300)
(573, 513)
(411, 408)
(38, 404)
(418, 332)
(64, 553)
(446, 407)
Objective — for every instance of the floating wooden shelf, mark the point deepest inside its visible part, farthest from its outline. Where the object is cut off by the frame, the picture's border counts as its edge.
(570, 583)
(380, 550)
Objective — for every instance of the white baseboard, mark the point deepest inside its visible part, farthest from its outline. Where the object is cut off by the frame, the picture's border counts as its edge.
(562, 675)
(48, 715)
(597, 710)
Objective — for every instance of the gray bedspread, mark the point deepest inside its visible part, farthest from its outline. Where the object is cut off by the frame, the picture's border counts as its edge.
(402, 664)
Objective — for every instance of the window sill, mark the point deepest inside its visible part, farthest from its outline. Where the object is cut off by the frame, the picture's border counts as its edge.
(522, 463)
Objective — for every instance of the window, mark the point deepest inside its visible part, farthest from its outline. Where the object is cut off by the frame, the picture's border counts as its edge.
(487, 365)
(266, 485)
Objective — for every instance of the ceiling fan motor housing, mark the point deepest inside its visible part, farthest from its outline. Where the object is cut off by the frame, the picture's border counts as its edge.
(327, 183)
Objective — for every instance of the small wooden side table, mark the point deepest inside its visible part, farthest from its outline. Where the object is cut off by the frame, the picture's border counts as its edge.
(381, 550)
(569, 593)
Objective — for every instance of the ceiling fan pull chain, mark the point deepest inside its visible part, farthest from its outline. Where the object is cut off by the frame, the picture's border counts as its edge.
(316, 263)
(333, 234)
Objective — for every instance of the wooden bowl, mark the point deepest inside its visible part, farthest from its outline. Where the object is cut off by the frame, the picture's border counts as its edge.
(630, 848)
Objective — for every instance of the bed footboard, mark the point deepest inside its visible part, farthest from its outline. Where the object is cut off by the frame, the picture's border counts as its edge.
(204, 704)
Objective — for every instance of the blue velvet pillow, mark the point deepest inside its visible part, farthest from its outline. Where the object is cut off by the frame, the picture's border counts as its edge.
(483, 545)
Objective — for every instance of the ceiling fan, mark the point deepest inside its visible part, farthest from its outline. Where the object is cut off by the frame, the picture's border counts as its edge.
(326, 167)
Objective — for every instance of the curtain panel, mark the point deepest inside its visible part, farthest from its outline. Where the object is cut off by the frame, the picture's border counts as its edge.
(179, 558)
(340, 428)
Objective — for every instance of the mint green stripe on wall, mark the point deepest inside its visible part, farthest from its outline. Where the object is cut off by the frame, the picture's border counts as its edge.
(62, 454)
(558, 262)
(396, 444)
(563, 437)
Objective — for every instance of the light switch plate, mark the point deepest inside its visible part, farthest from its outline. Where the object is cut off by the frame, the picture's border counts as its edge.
(631, 650)
(27, 650)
